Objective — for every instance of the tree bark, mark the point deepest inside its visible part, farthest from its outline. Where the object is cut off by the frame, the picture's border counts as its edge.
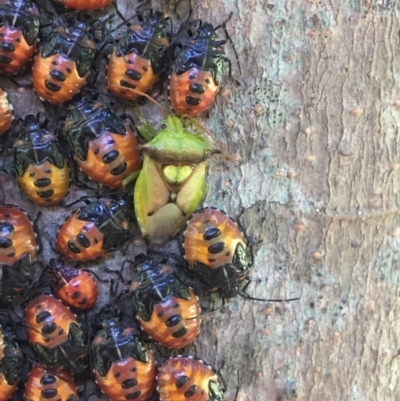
(315, 123)
(313, 118)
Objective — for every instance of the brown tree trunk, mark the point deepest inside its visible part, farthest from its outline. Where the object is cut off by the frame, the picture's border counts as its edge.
(315, 123)
(313, 119)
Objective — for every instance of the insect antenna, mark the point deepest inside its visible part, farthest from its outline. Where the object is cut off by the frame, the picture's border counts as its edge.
(222, 149)
(227, 36)
(246, 296)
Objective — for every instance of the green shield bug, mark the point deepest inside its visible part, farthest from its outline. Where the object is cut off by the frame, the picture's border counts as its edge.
(172, 182)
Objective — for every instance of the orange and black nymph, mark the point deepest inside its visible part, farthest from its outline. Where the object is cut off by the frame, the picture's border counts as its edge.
(104, 145)
(41, 169)
(56, 335)
(63, 63)
(92, 231)
(217, 251)
(19, 31)
(167, 309)
(185, 378)
(76, 287)
(198, 72)
(123, 366)
(139, 58)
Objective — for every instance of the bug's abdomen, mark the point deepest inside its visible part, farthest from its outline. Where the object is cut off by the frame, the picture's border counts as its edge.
(17, 236)
(111, 158)
(15, 52)
(77, 289)
(56, 78)
(211, 238)
(187, 379)
(45, 385)
(128, 73)
(174, 323)
(48, 321)
(129, 379)
(45, 184)
(192, 92)
(80, 240)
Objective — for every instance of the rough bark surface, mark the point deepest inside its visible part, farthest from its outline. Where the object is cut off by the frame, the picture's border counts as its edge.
(315, 123)
(314, 120)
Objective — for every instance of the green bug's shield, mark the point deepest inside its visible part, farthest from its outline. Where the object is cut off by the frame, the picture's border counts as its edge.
(174, 145)
(172, 182)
